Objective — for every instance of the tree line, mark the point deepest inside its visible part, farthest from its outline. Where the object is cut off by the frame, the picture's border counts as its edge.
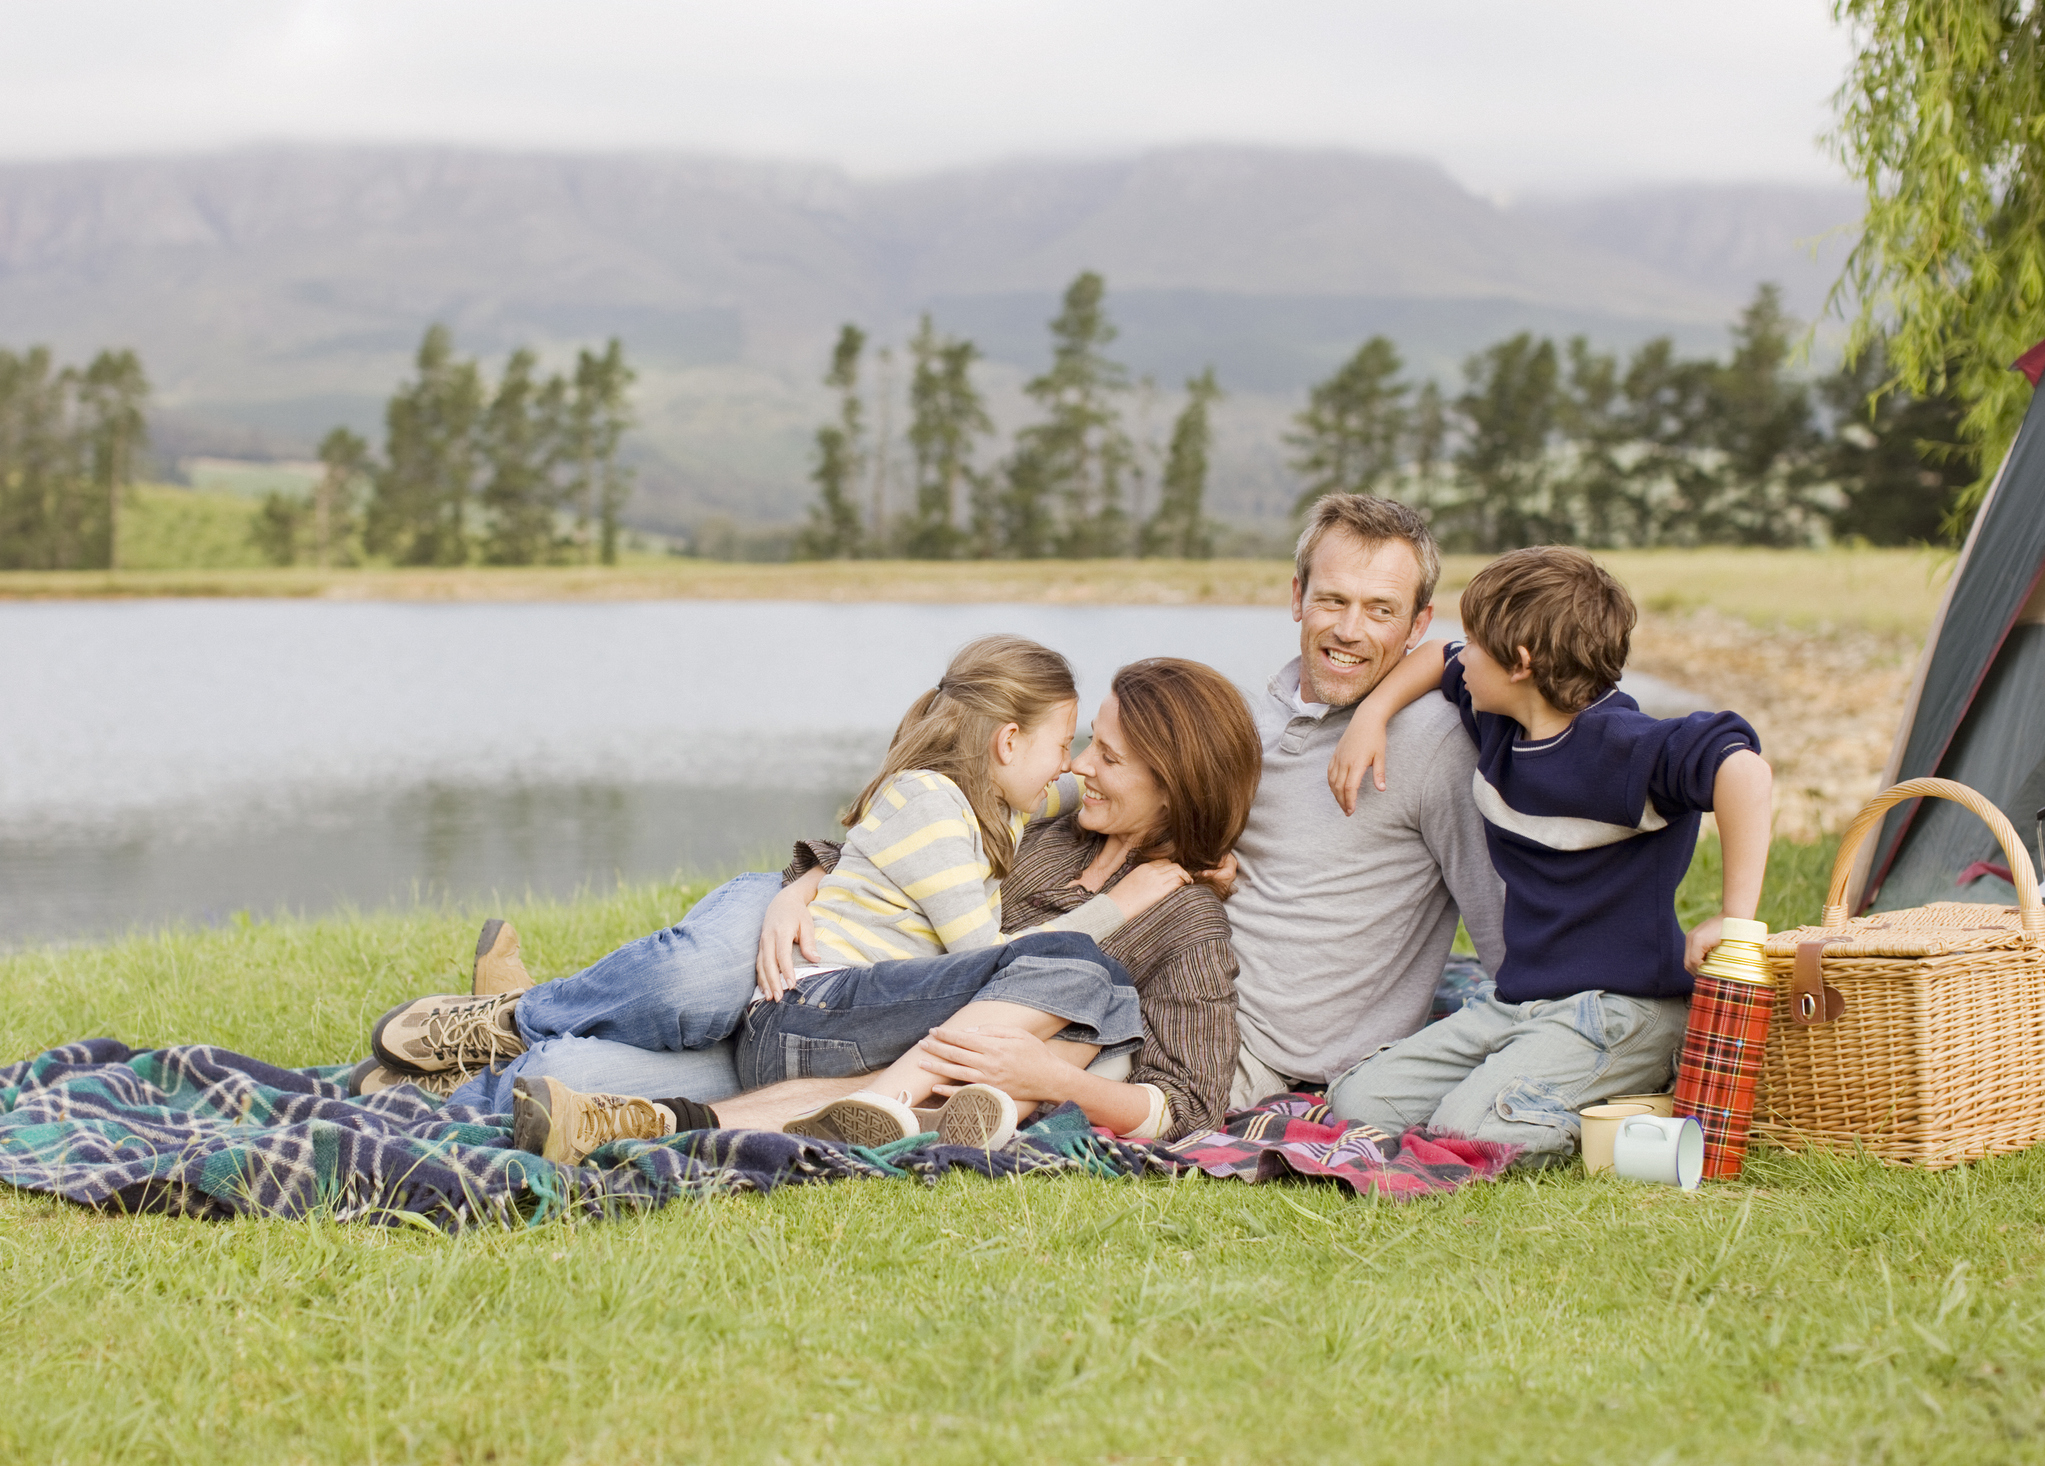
(1563, 443)
(523, 473)
(1074, 484)
(69, 441)
(1544, 442)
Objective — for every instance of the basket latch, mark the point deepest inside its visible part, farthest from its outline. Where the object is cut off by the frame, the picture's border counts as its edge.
(1811, 999)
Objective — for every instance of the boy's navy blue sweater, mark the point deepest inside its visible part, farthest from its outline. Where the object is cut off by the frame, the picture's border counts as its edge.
(1591, 831)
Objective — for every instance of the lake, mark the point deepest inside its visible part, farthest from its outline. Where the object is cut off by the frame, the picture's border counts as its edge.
(184, 760)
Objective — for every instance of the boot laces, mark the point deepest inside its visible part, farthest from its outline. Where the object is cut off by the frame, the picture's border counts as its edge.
(471, 1034)
(602, 1118)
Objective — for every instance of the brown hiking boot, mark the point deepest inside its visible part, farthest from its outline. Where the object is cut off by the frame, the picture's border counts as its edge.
(549, 1119)
(372, 1076)
(498, 966)
(430, 1035)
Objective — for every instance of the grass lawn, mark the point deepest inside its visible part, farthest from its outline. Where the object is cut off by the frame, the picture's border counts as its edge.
(1888, 592)
(1819, 1310)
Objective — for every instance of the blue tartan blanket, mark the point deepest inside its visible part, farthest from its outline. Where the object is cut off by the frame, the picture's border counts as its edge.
(202, 1131)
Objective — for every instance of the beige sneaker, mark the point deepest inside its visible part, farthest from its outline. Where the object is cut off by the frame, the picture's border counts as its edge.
(499, 968)
(372, 1076)
(862, 1118)
(429, 1035)
(978, 1115)
(549, 1119)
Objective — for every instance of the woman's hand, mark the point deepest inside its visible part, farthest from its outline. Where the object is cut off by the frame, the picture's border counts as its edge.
(1011, 1059)
(1223, 876)
(786, 927)
(1147, 885)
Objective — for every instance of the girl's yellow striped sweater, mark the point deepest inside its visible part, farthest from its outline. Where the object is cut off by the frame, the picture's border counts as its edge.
(913, 880)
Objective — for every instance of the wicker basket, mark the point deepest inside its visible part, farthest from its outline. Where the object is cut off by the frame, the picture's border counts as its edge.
(1918, 1035)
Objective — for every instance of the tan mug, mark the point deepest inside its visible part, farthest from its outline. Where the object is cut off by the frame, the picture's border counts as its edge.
(1657, 1104)
(1601, 1127)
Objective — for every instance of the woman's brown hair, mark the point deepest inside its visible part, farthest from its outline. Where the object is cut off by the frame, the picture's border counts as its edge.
(1189, 726)
(950, 730)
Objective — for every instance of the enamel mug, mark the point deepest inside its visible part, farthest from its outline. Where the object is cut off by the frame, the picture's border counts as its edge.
(1664, 1148)
(1600, 1128)
(1660, 1104)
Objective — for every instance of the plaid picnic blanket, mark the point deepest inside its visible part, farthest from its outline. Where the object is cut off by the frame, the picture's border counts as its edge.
(202, 1131)
(1294, 1136)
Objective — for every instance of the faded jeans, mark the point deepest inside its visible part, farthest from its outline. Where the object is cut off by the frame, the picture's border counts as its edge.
(859, 1019)
(1516, 1072)
(653, 1018)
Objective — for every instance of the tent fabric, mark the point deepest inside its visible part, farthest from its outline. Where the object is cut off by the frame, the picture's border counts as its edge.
(1980, 713)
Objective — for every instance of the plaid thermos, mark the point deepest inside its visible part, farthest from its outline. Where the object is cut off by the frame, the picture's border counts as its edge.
(1722, 1050)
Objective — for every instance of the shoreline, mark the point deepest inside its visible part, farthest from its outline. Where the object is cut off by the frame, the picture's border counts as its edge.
(1886, 592)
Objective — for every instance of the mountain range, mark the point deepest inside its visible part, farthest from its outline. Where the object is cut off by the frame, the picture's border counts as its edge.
(273, 293)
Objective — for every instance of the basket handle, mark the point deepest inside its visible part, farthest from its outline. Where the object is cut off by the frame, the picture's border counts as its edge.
(1864, 823)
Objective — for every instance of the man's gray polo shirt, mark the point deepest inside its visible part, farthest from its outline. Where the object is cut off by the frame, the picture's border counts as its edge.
(1342, 923)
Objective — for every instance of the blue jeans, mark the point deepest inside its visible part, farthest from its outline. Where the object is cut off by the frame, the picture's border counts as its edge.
(1516, 1072)
(654, 1018)
(864, 1018)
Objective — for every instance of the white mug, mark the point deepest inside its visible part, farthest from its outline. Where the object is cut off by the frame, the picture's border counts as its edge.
(1664, 1148)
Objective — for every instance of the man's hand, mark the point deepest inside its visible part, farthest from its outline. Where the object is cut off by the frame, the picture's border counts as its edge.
(787, 926)
(1697, 946)
(1361, 751)
(1147, 885)
(1011, 1059)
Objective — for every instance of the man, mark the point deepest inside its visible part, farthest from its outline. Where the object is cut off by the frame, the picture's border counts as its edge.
(1342, 924)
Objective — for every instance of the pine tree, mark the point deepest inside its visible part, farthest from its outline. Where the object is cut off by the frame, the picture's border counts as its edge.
(1349, 437)
(1179, 527)
(112, 392)
(946, 414)
(601, 406)
(518, 449)
(344, 457)
(1510, 410)
(1077, 456)
(418, 514)
(833, 532)
(1761, 419)
(49, 518)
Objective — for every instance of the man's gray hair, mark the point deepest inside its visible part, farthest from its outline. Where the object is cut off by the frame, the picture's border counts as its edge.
(1374, 521)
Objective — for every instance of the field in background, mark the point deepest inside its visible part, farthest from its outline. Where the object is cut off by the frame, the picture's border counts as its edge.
(1815, 1311)
(1884, 592)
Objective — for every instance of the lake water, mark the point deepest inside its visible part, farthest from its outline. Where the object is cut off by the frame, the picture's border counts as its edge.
(184, 760)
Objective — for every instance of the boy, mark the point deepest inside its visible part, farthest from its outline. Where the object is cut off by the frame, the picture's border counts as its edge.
(1591, 811)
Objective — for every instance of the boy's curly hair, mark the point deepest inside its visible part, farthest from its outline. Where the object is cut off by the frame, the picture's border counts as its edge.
(1575, 621)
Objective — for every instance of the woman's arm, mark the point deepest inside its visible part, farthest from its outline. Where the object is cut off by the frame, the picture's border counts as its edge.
(787, 926)
(1028, 1071)
(1188, 1054)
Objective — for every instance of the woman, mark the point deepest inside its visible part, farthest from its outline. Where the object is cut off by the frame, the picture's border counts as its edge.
(1171, 771)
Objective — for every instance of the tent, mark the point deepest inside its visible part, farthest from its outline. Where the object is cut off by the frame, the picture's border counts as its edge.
(1976, 712)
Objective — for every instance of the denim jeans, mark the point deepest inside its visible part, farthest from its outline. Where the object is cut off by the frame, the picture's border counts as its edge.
(1516, 1072)
(863, 1018)
(653, 1018)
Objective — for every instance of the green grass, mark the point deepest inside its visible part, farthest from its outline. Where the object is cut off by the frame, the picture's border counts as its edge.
(165, 527)
(1820, 1310)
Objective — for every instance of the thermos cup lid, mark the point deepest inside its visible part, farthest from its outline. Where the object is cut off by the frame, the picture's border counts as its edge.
(1737, 929)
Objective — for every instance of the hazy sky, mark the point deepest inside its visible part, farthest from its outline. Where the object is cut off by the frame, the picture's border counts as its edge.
(1510, 94)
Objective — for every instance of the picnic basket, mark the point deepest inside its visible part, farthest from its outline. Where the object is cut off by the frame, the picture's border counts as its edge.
(1917, 1035)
